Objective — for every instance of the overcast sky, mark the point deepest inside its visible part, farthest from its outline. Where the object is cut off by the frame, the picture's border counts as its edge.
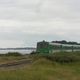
(24, 22)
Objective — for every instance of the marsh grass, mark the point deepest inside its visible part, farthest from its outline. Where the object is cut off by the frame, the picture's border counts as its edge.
(11, 57)
(43, 69)
(61, 57)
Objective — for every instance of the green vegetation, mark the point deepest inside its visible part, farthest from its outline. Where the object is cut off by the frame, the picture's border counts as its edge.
(45, 67)
(11, 54)
(64, 57)
(61, 57)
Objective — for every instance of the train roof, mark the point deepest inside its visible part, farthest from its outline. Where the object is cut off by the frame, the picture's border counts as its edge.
(59, 44)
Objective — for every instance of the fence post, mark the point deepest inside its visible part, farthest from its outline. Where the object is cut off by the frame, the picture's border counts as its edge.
(72, 48)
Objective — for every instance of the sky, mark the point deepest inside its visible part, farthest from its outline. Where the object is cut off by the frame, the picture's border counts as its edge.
(25, 22)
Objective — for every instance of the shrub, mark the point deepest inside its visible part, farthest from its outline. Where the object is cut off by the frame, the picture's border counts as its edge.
(62, 57)
(13, 54)
(33, 52)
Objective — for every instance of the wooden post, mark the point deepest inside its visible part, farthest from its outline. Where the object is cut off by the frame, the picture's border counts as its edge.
(72, 49)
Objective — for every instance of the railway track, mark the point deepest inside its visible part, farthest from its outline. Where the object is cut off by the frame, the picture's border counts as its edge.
(15, 63)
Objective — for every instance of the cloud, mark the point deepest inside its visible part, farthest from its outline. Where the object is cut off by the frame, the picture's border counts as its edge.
(24, 22)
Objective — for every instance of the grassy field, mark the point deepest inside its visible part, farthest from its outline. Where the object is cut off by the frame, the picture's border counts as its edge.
(11, 57)
(43, 69)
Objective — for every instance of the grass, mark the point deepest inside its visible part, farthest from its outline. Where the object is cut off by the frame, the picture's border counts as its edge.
(43, 69)
(11, 57)
(61, 57)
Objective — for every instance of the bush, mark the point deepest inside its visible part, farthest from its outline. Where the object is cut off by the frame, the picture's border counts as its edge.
(62, 57)
(13, 54)
(33, 52)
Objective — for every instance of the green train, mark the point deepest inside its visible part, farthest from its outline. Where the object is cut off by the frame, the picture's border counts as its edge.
(51, 47)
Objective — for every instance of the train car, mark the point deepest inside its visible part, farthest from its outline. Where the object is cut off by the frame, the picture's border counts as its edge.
(51, 47)
(43, 47)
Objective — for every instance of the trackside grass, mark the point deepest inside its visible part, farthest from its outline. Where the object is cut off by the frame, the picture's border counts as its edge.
(43, 68)
(60, 57)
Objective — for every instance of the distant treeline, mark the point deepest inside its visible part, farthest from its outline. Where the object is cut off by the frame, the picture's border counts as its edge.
(66, 42)
(27, 48)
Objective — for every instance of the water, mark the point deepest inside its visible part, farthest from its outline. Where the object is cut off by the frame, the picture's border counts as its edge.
(20, 51)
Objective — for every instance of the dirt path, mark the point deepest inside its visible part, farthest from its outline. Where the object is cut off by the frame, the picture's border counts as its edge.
(16, 63)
